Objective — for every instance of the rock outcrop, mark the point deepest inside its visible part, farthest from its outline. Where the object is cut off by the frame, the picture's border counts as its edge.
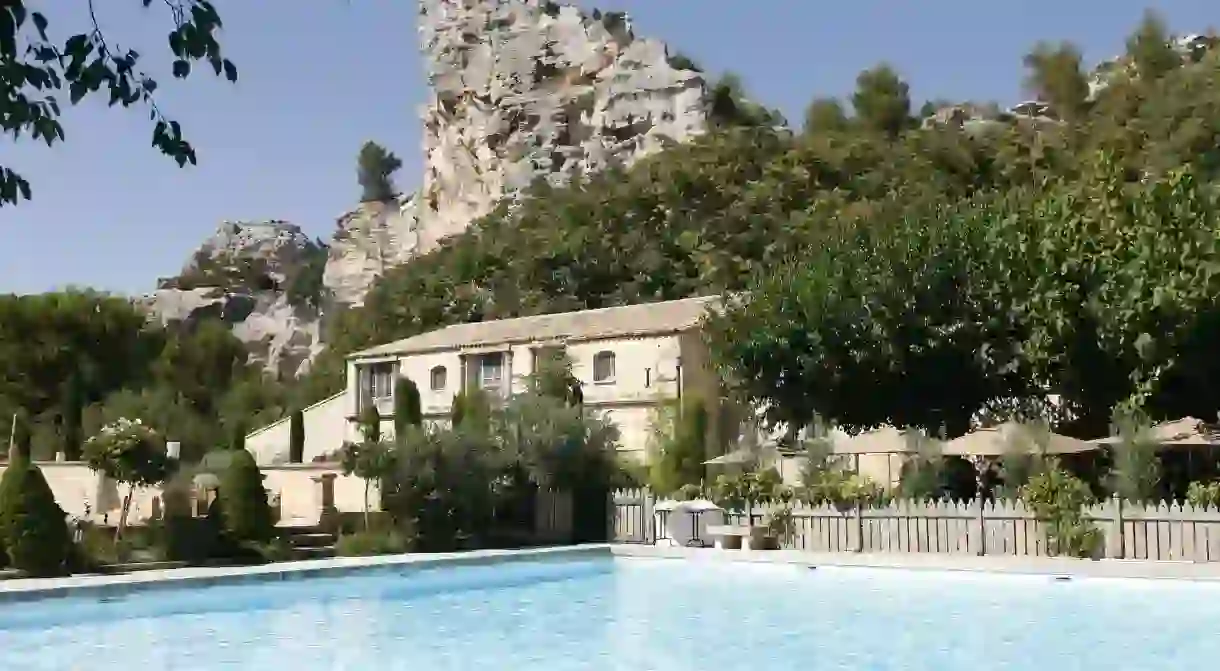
(261, 278)
(369, 240)
(521, 90)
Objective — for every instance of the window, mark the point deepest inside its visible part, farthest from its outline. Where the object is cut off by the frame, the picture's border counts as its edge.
(440, 378)
(381, 380)
(491, 371)
(376, 383)
(603, 367)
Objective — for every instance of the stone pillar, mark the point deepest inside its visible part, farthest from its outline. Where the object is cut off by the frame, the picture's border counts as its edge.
(327, 513)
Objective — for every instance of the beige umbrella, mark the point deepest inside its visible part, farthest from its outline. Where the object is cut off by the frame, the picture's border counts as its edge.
(1185, 431)
(887, 440)
(744, 455)
(998, 441)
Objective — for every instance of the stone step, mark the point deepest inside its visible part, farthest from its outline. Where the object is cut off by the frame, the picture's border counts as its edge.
(311, 540)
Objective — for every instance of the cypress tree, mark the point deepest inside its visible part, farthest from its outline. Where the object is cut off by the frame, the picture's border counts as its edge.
(33, 527)
(408, 410)
(245, 512)
(73, 407)
(296, 437)
(370, 423)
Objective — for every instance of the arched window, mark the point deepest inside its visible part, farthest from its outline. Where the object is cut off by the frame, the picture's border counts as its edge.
(603, 367)
(440, 378)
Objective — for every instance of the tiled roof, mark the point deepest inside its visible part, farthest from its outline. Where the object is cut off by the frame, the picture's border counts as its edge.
(617, 322)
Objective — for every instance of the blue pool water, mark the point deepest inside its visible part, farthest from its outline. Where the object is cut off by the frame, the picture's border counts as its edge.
(629, 615)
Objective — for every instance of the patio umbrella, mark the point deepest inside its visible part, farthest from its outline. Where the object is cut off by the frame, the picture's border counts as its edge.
(998, 441)
(887, 440)
(1185, 431)
(744, 455)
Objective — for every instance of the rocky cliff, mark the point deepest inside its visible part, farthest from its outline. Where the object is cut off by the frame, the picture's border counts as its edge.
(262, 278)
(520, 90)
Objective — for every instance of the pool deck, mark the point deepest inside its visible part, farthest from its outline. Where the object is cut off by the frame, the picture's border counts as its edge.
(115, 585)
(1049, 566)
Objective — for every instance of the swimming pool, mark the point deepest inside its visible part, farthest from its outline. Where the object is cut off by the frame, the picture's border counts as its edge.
(630, 615)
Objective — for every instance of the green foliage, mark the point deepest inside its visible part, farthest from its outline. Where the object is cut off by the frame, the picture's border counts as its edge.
(370, 423)
(296, 437)
(1056, 76)
(373, 542)
(882, 101)
(844, 490)
(679, 445)
(72, 416)
(371, 460)
(33, 530)
(408, 411)
(1204, 494)
(1135, 469)
(1059, 498)
(245, 514)
(304, 287)
(825, 115)
(375, 168)
(471, 409)
(129, 453)
(552, 376)
(35, 65)
(738, 491)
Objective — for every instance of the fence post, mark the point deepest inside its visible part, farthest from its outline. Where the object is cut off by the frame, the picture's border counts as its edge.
(980, 523)
(650, 522)
(857, 513)
(1116, 531)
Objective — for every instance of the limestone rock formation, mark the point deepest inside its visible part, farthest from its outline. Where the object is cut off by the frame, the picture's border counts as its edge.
(370, 239)
(262, 278)
(521, 90)
(525, 90)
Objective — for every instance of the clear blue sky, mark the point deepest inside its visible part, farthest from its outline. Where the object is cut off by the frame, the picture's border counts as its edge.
(319, 77)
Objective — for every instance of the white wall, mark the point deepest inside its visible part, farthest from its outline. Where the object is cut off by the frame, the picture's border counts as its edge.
(326, 428)
(75, 487)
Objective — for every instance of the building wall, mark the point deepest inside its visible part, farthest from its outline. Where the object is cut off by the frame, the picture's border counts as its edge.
(76, 487)
(326, 428)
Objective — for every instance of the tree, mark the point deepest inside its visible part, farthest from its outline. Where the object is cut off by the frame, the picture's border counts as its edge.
(369, 460)
(408, 412)
(74, 407)
(296, 437)
(1057, 77)
(882, 101)
(243, 503)
(33, 530)
(679, 446)
(1135, 471)
(825, 115)
(35, 65)
(375, 167)
(237, 436)
(131, 454)
(1150, 49)
(370, 423)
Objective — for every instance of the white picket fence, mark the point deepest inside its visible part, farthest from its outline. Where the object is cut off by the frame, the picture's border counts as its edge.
(1163, 532)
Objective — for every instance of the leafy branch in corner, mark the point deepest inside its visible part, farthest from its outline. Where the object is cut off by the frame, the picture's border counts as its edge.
(34, 67)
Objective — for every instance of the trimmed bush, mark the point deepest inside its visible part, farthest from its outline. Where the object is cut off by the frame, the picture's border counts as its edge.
(296, 437)
(245, 513)
(373, 542)
(35, 533)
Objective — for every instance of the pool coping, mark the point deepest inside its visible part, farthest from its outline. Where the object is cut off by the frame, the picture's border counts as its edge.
(31, 589)
(996, 564)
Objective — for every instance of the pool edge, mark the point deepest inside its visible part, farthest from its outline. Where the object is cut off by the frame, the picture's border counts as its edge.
(36, 589)
(1048, 566)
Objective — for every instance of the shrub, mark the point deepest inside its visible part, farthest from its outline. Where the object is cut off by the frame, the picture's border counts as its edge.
(1204, 494)
(370, 424)
(32, 524)
(1059, 499)
(373, 542)
(679, 441)
(375, 169)
(245, 513)
(296, 437)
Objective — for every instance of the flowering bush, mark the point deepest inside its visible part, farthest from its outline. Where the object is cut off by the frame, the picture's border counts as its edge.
(130, 453)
